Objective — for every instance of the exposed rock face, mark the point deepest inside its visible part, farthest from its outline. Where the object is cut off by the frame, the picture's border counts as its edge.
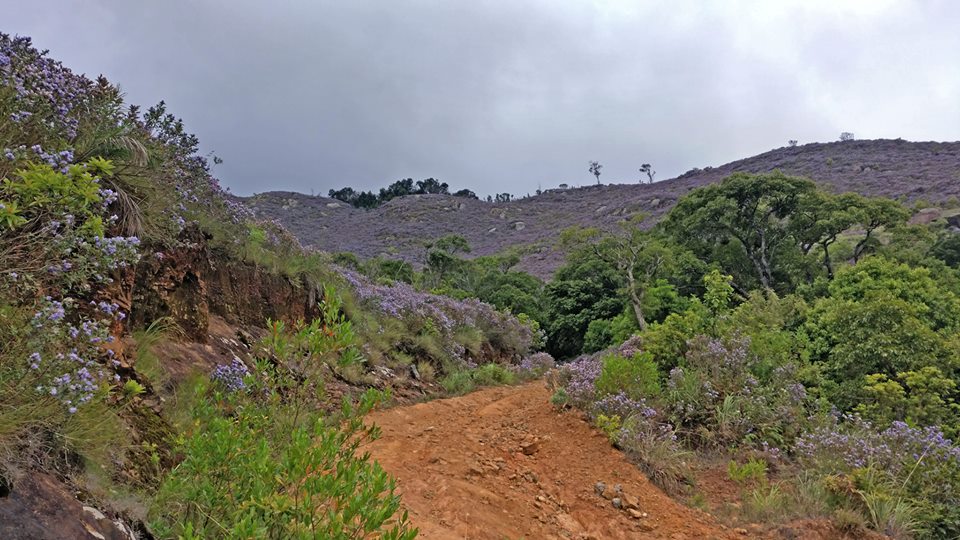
(38, 507)
(221, 305)
(190, 283)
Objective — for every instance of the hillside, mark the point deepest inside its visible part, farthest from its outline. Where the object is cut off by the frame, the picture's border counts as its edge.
(893, 168)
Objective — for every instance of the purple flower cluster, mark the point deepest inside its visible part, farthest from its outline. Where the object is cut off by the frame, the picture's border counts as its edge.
(620, 404)
(725, 362)
(443, 314)
(57, 160)
(578, 378)
(117, 251)
(66, 361)
(232, 376)
(81, 261)
(537, 363)
(48, 94)
(855, 443)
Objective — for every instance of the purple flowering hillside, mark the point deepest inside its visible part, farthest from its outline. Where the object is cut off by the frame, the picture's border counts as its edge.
(891, 168)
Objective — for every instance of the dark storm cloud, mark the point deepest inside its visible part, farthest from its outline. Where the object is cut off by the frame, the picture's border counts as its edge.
(508, 96)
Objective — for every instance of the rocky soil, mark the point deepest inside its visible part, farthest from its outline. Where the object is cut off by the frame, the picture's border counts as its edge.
(502, 463)
(893, 168)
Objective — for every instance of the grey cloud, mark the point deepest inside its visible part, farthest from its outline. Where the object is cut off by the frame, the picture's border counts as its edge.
(508, 96)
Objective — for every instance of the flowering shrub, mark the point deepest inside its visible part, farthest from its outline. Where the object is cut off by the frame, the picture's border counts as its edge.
(897, 449)
(536, 364)
(919, 468)
(576, 380)
(68, 359)
(654, 446)
(264, 444)
(231, 375)
(435, 314)
(716, 395)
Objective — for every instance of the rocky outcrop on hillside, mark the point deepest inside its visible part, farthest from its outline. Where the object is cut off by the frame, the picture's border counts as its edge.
(892, 168)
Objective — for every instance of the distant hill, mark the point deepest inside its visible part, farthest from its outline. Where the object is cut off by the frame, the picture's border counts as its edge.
(892, 168)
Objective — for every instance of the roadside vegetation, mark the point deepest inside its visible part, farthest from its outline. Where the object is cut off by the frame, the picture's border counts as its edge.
(809, 338)
(93, 189)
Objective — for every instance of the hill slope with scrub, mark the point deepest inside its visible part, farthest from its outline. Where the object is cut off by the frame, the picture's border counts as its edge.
(913, 171)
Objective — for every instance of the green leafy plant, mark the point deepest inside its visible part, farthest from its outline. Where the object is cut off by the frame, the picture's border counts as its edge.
(637, 377)
(240, 478)
(753, 471)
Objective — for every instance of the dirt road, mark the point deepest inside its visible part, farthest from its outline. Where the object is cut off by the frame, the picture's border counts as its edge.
(502, 463)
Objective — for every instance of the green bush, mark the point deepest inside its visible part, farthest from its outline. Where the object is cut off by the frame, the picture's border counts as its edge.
(637, 377)
(458, 383)
(240, 478)
(753, 471)
(493, 375)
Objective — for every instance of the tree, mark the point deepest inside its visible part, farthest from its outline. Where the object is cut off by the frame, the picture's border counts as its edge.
(465, 193)
(503, 197)
(820, 219)
(872, 214)
(359, 199)
(647, 170)
(792, 143)
(347, 194)
(595, 167)
(846, 136)
(639, 256)
(583, 290)
(432, 185)
(441, 257)
(452, 243)
(399, 188)
(750, 211)
(881, 317)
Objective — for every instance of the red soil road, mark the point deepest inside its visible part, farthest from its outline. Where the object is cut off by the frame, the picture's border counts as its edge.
(463, 474)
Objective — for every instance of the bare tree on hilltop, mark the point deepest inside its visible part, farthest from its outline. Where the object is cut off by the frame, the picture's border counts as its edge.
(595, 167)
(648, 170)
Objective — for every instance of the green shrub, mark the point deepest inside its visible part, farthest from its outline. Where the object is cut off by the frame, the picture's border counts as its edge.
(426, 370)
(493, 375)
(599, 336)
(458, 383)
(240, 478)
(637, 377)
(765, 502)
(559, 398)
(753, 471)
(609, 425)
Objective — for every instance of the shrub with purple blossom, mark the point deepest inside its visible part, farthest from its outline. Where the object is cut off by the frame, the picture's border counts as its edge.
(536, 364)
(231, 375)
(443, 316)
(69, 359)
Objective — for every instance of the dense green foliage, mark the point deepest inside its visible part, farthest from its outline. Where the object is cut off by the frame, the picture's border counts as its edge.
(823, 338)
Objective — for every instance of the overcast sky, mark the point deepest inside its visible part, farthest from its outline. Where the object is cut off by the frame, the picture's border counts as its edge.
(509, 95)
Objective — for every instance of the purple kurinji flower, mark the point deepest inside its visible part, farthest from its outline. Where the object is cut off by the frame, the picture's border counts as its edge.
(231, 375)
